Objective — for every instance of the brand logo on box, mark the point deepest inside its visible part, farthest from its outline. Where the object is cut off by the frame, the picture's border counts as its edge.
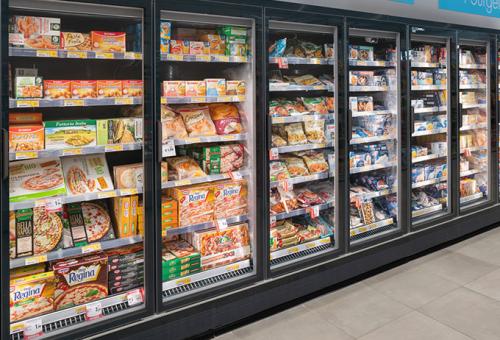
(82, 274)
(27, 292)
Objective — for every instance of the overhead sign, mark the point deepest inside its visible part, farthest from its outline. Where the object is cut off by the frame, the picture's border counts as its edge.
(409, 2)
(490, 8)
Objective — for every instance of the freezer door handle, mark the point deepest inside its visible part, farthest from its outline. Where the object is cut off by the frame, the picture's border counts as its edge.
(160, 141)
(5, 158)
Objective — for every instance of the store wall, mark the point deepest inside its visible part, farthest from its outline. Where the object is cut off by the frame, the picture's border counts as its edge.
(420, 9)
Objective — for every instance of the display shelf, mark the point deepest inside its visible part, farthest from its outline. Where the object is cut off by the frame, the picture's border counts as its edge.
(26, 103)
(372, 63)
(303, 211)
(203, 58)
(374, 194)
(470, 172)
(205, 179)
(428, 182)
(202, 99)
(301, 179)
(474, 106)
(372, 113)
(302, 118)
(474, 126)
(474, 149)
(427, 157)
(369, 227)
(470, 198)
(473, 66)
(429, 132)
(45, 53)
(428, 87)
(204, 226)
(416, 64)
(58, 200)
(368, 88)
(374, 139)
(277, 87)
(430, 109)
(300, 247)
(303, 147)
(427, 211)
(472, 86)
(372, 167)
(75, 251)
(68, 317)
(85, 150)
(302, 61)
(204, 275)
(209, 139)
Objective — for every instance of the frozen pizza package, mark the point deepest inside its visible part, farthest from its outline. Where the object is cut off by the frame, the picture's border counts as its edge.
(128, 176)
(97, 220)
(87, 174)
(195, 204)
(220, 159)
(35, 179)
(80, 280)
(231, 198)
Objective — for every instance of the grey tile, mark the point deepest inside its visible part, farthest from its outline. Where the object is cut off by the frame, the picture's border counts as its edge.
(483, 249)
(426, 258)
(358, 309)
(458, 268)
(415, 326)
(414, 287)
(296, 323)
(227, 336)
(488, 285)
(468, 312)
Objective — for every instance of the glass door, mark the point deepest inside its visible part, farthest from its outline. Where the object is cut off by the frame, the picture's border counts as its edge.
(474, 82)
(208, 135)
(302, 171)
(374, 109)
(77, 222)
(430, 116)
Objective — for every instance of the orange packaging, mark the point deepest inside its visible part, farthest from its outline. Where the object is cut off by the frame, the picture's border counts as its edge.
(140, 218)
(24, 137)
(174, 88)
(196, 204)
(134, 203)
(199, 47)
(216, 43)
(231, 198)
(25, 118)
(108, 41)
(179, 46)
(196, 88)
(121, 209)
(83, 89)
(132, 88)
(235, 87)
(57, 89)
(169, 217)
(109, 88)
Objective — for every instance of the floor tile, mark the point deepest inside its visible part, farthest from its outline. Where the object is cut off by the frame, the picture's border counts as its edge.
(414, 287)
(415, 326)
(358, 309)
(457, 267)
(296, 323)
(483, 249)
(488, 285)
(468, 312)
(227, 336)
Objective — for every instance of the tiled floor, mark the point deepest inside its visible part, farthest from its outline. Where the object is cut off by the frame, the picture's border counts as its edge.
(451, 294)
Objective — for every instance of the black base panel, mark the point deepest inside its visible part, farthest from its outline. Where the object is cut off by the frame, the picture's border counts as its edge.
(228, 309)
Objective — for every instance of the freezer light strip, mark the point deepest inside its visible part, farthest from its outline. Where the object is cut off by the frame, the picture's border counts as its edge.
(369, 227)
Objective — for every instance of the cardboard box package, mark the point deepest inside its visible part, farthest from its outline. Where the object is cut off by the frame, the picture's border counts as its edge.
(86, 174)
(196, 88)
(165, 36)
(34, 32)
(109, 88)
(26, 137)
(70, 133)
(75, 41)
(128, 176)
(174, 88)
(119, 131)
(199, 47)
(216, 42)
(179, 46)
(83, 89)
(235, 87)
(57, 89)
(108, 41)
(28, 87)
(216, 87)
(132, 88)
(121, 210)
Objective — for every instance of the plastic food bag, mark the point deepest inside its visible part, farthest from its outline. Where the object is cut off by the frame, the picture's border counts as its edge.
(278, 171)
(172, 124)
(295, 134)
(316, 105)
(278, 141)
(226, 118)
(315, 161)
(315, 131)
(184, 167)
(296, 166)
(278, 48)
(277, 109)
(197, 121)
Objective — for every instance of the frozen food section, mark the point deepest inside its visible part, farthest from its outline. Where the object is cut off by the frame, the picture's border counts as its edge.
(474, 119)
(374, 108)
(208, 183)
(75, 187)
(302, 168)
(430, 112)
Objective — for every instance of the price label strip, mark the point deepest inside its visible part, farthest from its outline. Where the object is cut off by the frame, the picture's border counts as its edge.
(35, 259)
(93, 310)
(235, 175)
(168, 149)
(272, 221)
(33, 328)
(135, 297)
(91, 248)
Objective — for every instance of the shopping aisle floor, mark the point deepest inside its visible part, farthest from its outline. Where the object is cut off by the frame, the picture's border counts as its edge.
(453, 293)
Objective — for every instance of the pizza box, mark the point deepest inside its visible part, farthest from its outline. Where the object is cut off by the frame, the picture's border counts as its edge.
(86, 174)
(167, 277)
(116, 290)
(119, 131)
(35, 179)
(125, 271)
(170, 260)
(127, 282)
(70, 133)
(97, 220)
(182, 267)
(136, 264)
(125, 275)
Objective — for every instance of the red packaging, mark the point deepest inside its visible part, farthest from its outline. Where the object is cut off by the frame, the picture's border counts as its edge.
(83, 89)
(109, 88)
(132, 88)
(57, 89)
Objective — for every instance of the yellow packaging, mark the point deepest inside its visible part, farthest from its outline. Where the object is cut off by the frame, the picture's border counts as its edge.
(217, 44)
(121, 209)
(134, 203)
(27, 270)
(195, 204)
(235, 87)
(196, 88)
(140, 218)
(31, 295)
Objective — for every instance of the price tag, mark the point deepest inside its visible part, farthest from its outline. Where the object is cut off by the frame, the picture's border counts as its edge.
(293, 250)
(311, 245)
(113, 147)
(135, 297)
(229, 137)
(318, 87)
(124, 101)
(223, 58)
(241, 98)
(168, 148)
(315, 61)
(240, 59)
(71, 152)
(175, 57)
(77, 54)
(47, 53)
(106, 194)
(221, 224)
(325, 240)
(93, 310)
(278, 120)
(198, 99)
(53, 204)
(283, 63)
(314, 211)
(235, 175)
(163, 100)
(35, 259)
(183, 182)
(274, 154)
(233, 267)
(183, 281)
(27, 103)
(128, 192)
(194, 140)
(91, 248)
(104, 55)
(205, 58)
(73, 102)
(272, 221)
(224, 99)
(26, 154)
(132, 55)
(33, 328)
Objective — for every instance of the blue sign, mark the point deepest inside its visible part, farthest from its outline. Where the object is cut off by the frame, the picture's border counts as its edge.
(490, 8)
(409, 2)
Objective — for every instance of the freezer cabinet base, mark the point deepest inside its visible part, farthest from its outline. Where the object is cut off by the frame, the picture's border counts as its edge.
(234, 307)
